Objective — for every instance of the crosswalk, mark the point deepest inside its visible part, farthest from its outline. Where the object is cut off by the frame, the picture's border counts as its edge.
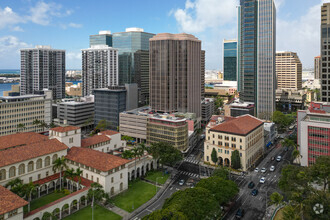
(188, 174)
(190, 160)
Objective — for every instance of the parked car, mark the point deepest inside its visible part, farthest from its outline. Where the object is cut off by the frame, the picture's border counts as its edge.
(254, 192)
(278, 158)
(240, 213)
(181, 182)
(263, 170)
(256, 170)
(272, 168)
(262, 180)
(273, 158)
(251, 185)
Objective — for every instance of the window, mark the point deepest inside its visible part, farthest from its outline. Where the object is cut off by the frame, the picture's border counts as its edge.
(47, 161)
(97, 180)
(2, 217)
(39, 163)
(121, 176)
(39, 176)
(12, 172)
(207, 147)
(55, 158)
(30, 179)
(12, 213)
(70, 140)
(111, 179)
(121, 186)
(30, 166)
(86, 175)
(92, 178)
(240, 147)
(21, 169)
(47, 173)
(240, 140)
(207, 158)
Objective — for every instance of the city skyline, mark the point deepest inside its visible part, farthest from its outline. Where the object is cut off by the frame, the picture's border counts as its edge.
(61, 25)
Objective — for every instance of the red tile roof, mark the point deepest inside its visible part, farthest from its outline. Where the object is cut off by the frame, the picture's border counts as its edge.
(109, 132)
(9, 201)
(84, 182)
(96, 139)
(65, 129)
(30, 151)
(95, 159)
(241, 125)
(19, 139)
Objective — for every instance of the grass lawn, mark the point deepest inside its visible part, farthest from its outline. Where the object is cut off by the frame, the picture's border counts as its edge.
(100, 213)
(279, 214)
(138, 193)
(44, 201)
(160, 175)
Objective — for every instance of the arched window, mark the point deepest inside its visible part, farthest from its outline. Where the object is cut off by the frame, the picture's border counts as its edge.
(21, 169)
(30, 166)
(47, 161)
(121, 186)
(12, 172)
(3, 174)
(112, 191)
(54, 158)
(39, 163)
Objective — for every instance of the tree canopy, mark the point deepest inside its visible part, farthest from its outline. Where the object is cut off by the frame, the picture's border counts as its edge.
(235, 160)
(282, 120)
(221, 172)
(214, 156)
(166, 214)
(166, 153)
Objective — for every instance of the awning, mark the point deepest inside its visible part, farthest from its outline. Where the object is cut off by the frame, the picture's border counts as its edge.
(269, 143)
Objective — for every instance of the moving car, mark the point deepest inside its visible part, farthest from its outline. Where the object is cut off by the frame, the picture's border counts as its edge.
(251, 185)
(272, 168)
(278, 158)
(263, 170)
(262, 180)
(256, 170)
(254, 192)
(240, 213)
(181, 182)
(273, 158)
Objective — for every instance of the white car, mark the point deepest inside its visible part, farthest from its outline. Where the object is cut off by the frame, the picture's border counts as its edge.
(256, 170)
(262, 180)
(181, 182)
(263, 170)
(272, 168)
(278, 158)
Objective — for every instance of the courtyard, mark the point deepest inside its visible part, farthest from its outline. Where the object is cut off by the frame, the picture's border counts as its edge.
(44, 200)
(158, 177)
(100, 213)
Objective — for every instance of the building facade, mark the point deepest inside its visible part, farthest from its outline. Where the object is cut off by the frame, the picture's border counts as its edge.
(317, 67)
(168, 129)
(237, 108)
(99, 68)
(230, 60)
(203, 74)
(18, 113)
(133, 49)
(103, 38)
(109, 102)
(256, 49)
(325, 52)
(76, 113)
(288, 100)
(175, 73)
(73, 89)
(313, 133)
(244, 134)
(43, 68)
(207, 110)
(288, 70)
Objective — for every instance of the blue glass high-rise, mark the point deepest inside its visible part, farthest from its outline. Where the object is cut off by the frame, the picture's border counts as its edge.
(230, 60)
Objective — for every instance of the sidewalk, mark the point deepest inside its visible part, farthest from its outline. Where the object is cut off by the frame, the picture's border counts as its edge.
(120, 212)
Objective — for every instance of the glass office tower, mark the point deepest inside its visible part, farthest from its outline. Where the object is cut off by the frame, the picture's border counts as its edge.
(230, 60)
(134, 44)
(103, 38)
(257, 37)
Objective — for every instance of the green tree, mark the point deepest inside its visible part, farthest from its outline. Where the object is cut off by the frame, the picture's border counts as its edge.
(127, 154)
(70, 174)
(166, 153)
(78, 174)
(16, 186)
(222, 190)
(296, 155)
(276, 198)
(214, 156)
(59, 165)
(320, 171)
(288, 143)
(168, 214)
(102, 125)
(137, 153)
(95, 193)
(290, 213)
(235, 160)
(29, 190)
(20, 127)
(196, 203)
(221, 172)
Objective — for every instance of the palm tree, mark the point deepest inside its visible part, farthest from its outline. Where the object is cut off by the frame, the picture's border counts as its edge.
(36, 122)
(288, 143)
(296, 155)
(144, 148)
(127, 154)
(96, 193)
(28, 190)
(136, 153)
(78, 174)
(70, 174)
(16, 186)
(59, 164)
(20, 127)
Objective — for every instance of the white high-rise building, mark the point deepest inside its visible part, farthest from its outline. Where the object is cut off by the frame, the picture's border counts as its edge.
(99, 68)
(43, 68)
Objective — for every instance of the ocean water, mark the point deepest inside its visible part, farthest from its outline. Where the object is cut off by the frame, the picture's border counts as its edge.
(9, 71)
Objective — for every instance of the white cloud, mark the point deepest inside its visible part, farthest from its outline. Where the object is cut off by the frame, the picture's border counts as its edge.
(73, 55)
(200, 15)
(72, 25)
(301, 35)
(73, 59)
(8, 18)
(42, 12)
(17, 28)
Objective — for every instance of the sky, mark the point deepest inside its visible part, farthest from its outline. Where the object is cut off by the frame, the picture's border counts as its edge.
(67, 24)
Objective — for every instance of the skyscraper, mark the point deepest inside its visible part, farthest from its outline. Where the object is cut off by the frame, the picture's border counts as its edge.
(317, 67)
(103, 38)
(288, 70)
(230, 60)
(43, 68)
(99, 68)
(133, 49)
(325, 52)
(175, 73)
(203, 73)
(257, 46)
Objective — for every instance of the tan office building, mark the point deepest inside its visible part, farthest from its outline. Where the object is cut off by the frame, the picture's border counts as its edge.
(317, 67)
(243, 133)
(168, 129)
(288, 70)
(175, 73)
(17, 113)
